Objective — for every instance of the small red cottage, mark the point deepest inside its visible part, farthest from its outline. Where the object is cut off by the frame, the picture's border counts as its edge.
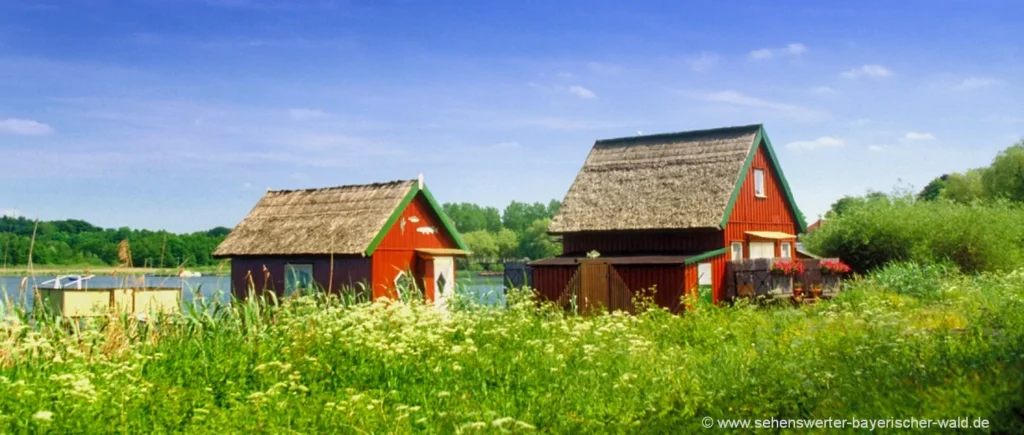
(379, 235)
(669, 210)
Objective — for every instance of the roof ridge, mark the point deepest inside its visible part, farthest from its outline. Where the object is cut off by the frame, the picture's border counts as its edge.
(680, 134)
(346, 186)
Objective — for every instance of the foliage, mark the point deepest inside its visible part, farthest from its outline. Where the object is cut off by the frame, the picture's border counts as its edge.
(974, 237)
(520, 232)
(834, 267)
(787, 267)
(536, 243)
(470, 217)
(933, 190)
(1004, 178)
(317, 364)
(964, 188)
(81, 243)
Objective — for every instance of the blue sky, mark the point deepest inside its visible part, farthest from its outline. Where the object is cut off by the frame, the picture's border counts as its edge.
(179, 114)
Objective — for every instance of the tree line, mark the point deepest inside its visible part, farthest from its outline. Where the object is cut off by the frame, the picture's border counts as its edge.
(519, 231)
(77, 242)
(973, 221)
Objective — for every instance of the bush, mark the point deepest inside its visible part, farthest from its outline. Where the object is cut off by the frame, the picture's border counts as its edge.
(975, 237)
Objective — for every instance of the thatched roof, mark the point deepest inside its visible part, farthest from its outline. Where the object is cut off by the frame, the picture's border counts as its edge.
(665, 181)
(339, 220)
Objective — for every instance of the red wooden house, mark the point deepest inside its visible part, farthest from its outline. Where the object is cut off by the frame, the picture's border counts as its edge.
(376, 236)
(669, 210)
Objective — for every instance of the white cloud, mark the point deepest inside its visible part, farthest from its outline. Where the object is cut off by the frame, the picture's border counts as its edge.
(704, 62)
(761, 54)
(821, 142)
(972, 83)
(824, 90)
(918, 136)
(875, 148)
(24, 127)
(303, 114)
(736, 98)
(582, 92)
(794, 49)
(872, 71)
(604, 68)
(860, 122)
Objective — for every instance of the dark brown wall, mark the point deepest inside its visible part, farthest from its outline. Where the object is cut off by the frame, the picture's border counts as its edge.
(667, 279)
(348, 270)
(626, 242)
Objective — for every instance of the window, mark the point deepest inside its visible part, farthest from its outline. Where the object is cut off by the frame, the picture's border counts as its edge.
(787, 250)
(762, 250)
(297, 277)
(704, 274)
(737, 250)
(759, 183)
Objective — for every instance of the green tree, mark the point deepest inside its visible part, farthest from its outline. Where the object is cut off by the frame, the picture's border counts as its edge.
(536, 243)
(1005, 177)
(518, 216)
(508, 243)
(483, 244)
(966, 187)
(934, 189)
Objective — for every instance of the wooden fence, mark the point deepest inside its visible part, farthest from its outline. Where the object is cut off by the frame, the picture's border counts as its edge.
(752, 277)
(518, 274)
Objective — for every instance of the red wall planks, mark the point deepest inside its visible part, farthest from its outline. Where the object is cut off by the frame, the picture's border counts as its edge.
(418, 227)
(750, 213)
(667, 280)
(550, 281)
(622, 242)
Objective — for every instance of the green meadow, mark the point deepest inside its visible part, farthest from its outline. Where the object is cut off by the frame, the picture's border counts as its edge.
(908, 341)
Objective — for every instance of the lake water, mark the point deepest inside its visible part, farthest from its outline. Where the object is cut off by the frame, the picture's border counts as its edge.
(218, 288)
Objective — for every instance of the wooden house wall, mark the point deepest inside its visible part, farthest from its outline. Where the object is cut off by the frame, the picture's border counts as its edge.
(550, 281)
(348, 270)
(666, 279)
(397, 251)
(751, 213)
(625, 242)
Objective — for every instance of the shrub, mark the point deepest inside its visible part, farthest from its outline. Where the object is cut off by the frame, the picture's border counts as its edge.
(975, 237)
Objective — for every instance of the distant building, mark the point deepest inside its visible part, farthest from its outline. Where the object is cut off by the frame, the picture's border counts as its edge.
(380, 236)
(664, 209)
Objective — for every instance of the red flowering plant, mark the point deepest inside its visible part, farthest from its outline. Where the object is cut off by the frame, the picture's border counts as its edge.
(834, 267)
(787, 267)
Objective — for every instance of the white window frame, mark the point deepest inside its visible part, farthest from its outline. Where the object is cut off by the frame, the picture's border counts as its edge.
(759, 183)
(291, 271)
(704, 273)
(736, 251)
(786, 250)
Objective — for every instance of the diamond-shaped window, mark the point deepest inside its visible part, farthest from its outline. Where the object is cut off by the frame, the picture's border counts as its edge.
(441, 284)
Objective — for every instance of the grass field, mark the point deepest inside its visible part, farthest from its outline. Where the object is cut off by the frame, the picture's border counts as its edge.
(908, 342)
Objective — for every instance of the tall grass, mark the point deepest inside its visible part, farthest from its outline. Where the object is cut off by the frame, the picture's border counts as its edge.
(315, 363)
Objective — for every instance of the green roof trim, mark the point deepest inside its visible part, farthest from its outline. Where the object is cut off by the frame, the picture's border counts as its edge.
(409, 197)
(706, 255)
(445, 220)
(397, 213)
(759, 138)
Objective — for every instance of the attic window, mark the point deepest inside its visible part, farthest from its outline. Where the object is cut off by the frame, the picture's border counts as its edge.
(759, 183)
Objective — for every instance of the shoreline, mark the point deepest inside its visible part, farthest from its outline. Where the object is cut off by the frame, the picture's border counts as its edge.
(48, 270)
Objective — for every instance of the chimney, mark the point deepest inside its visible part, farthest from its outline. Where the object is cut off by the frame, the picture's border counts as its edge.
(420, 180)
